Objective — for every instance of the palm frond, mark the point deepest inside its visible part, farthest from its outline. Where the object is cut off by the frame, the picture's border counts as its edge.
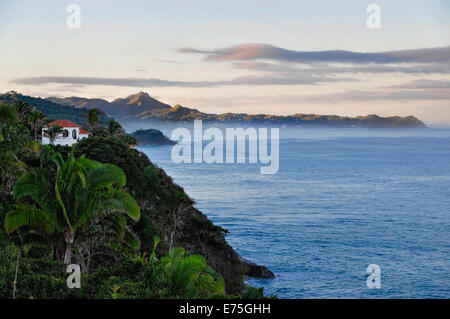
(35, 185)
(127, 204)
(29, 215)
(131, 239)
(106, 175)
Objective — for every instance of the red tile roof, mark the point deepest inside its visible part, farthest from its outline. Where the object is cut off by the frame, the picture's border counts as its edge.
(64, 123)
(67, 123)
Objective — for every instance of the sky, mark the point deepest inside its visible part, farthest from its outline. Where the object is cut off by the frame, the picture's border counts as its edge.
(250, 56)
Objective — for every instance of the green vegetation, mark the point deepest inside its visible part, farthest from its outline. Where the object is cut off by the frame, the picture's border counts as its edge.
(92, 120)
(84, 196)
(120, 276)
(50, 109)
(114, 129)
(103, 206)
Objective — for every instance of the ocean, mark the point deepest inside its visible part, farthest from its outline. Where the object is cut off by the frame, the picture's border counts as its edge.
(342, 199)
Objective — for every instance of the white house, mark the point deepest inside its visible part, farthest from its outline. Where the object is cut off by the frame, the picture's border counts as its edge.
(71, 133)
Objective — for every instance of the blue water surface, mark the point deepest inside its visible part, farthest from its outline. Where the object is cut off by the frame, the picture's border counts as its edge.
(342, 199)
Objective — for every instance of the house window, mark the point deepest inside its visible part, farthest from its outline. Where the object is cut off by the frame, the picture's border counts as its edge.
(74, 134)
(65, 133)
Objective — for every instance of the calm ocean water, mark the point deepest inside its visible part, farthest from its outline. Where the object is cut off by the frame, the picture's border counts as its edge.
(342, 199)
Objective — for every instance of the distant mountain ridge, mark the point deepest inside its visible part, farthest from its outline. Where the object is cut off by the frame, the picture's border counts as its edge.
(132, 105)
(142, 108)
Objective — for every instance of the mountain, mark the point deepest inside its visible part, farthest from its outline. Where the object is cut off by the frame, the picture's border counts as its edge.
(131, 106)
(51, 109)
(80, 102)
(141, 108)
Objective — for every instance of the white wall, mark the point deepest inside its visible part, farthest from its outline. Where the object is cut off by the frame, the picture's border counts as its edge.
(69, 140)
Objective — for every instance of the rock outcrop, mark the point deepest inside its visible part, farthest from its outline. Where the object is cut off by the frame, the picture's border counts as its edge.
(257, 271)
(151, 137)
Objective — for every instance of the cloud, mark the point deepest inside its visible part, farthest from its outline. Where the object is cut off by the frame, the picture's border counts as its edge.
(277, 66)
(378, 95)
(423, 84)
(298, 78)
(256, 51)
(132, 82)
(431, 68)
(74, 88)
(327, 69)
(171, 61)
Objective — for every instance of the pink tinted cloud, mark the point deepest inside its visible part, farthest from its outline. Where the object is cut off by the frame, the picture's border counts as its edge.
(250, 51)
(255, 51)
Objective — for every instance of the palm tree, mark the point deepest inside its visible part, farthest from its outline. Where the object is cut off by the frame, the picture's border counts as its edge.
(188, 275)
(10, 169)
(115, 129)
(84, 194)
(23, 109)
(37, 121)
(8, 114)
(52, 132)
(92, 119)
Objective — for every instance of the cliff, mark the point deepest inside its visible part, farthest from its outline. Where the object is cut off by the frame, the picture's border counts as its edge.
(168, 212)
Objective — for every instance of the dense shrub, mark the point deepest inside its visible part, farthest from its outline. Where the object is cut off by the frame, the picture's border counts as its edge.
(177, 275)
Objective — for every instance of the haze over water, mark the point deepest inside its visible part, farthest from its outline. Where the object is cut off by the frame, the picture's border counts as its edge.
(342, 199)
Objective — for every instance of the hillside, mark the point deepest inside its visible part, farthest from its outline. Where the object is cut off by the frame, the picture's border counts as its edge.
(50, 109)
(141, 107)
(182, 114)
